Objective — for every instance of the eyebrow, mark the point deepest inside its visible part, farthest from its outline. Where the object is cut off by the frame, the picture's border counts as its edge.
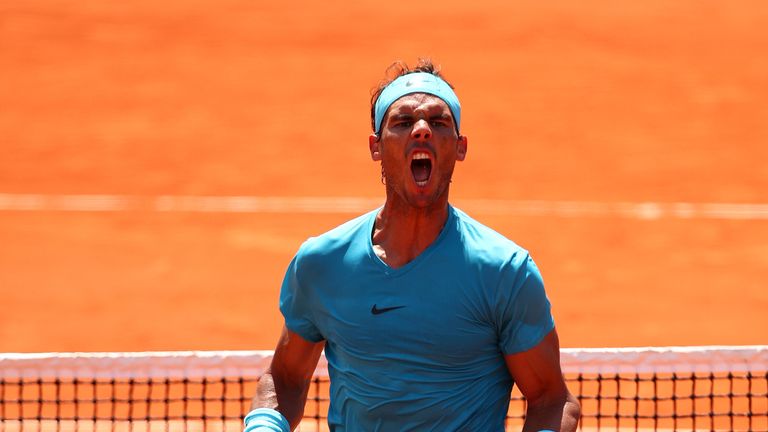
(409, 116)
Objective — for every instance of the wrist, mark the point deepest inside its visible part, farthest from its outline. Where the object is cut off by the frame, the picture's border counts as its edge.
(265, 420)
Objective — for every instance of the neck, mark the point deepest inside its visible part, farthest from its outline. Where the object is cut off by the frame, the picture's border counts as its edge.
(402, 232)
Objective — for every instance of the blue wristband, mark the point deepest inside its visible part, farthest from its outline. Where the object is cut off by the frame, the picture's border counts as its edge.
(265, 420)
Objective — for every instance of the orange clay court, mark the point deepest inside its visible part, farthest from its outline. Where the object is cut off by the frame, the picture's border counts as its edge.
(625, 144)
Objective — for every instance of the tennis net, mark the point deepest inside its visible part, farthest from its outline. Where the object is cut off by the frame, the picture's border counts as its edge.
(672, 388)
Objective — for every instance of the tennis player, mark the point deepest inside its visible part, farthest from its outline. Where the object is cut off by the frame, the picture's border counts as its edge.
(427, 317)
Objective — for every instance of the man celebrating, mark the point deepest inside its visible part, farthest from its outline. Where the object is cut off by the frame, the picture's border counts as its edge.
(427, 317)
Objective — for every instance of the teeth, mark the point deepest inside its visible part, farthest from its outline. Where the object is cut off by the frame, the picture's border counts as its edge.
(421, 183)
(420, 156)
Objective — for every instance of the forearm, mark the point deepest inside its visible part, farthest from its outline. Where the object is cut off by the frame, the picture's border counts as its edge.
(560, 416)
(278, 394)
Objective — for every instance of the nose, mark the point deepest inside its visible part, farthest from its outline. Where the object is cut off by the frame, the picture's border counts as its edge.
(421, 130)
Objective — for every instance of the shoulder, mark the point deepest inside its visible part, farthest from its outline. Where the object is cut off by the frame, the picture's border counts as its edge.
(337, 240)
(486, 245)
(511, 282)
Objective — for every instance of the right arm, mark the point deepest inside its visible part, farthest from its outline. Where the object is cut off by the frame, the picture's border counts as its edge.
(284, 386)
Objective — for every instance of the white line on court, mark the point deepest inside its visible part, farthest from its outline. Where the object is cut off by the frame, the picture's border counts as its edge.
(342, 205)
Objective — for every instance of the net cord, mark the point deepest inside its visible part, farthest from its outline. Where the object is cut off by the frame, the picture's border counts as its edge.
(213, 364)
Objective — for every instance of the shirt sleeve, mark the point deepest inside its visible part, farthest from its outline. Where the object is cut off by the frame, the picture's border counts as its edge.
(296, 304)
(523, 312)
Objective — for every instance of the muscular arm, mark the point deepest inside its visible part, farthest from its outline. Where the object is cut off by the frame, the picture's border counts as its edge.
(285, 384)
(538, 376)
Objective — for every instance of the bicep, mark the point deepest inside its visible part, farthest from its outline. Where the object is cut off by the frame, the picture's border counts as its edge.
(284, 386)
(295, 358)
(537, 371)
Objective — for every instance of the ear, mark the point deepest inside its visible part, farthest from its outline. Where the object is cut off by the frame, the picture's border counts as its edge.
(461, 148)
(375, 145)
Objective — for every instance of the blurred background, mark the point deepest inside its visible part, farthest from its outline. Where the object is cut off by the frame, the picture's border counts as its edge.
(160, 162)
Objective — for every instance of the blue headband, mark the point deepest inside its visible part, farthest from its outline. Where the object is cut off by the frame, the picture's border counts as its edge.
(419, 82)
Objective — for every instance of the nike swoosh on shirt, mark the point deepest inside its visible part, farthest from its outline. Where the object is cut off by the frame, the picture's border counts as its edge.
(379, 311)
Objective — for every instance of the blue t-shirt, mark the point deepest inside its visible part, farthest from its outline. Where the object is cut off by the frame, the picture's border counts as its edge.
(420, 347)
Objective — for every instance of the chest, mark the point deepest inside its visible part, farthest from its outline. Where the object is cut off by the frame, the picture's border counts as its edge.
(435, 317)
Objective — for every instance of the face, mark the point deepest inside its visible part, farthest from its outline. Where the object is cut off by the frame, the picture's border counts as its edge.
(418, 148)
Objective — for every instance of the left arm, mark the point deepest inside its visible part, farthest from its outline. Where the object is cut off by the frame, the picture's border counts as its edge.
(538, 376)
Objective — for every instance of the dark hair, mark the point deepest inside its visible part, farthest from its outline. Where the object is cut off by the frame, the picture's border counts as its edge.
(396, 70)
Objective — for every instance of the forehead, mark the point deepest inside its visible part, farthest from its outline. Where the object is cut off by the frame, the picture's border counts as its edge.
(419, 102)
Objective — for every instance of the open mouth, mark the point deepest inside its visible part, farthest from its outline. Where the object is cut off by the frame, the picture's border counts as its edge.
(421, 168)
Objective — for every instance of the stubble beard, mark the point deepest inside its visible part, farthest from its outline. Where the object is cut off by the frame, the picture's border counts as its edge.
(418, 201)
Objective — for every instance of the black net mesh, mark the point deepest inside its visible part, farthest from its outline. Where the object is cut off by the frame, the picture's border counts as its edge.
(714, 401)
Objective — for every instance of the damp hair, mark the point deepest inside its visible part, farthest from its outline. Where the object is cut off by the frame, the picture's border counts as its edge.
(396, 70)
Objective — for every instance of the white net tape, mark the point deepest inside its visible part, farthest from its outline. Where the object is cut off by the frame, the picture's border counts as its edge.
(198, 364)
